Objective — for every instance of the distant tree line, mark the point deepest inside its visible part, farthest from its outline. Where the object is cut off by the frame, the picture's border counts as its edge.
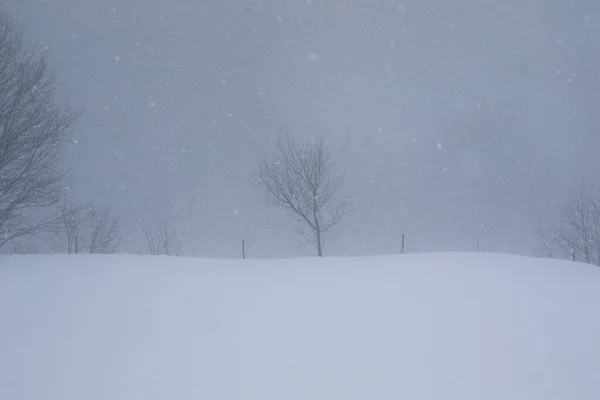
(299, 178)
(35, 212)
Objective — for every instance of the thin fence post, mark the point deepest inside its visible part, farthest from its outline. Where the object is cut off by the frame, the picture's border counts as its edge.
(243, 250)
(403, 243)
(478, 244)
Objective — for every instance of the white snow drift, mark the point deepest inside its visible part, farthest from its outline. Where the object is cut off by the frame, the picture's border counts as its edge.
(440, 326)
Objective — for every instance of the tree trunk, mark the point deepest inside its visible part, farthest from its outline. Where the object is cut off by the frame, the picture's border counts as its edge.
(317, 230)
(319, 246)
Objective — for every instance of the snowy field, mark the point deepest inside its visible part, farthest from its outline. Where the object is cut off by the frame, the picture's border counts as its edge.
(432, 326)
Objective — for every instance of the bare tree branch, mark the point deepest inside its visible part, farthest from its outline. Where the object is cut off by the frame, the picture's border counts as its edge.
(302, 180)
(33, 133)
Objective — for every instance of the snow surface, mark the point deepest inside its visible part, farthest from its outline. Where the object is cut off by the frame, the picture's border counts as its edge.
(436, 326)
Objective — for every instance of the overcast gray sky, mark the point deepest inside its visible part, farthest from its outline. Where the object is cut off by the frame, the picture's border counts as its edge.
(454, 119)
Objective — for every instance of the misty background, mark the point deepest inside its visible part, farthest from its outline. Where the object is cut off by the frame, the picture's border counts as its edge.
(454, 119)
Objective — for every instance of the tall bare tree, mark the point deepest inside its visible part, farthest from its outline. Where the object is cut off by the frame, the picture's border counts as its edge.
(84, 229)
(34, 129)
(303, 181)
(574, 232)
(163, 241)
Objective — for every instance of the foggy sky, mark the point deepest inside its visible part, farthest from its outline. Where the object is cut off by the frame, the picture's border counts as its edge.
(454, 119)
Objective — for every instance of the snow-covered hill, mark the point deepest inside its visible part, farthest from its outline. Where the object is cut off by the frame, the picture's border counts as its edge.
(438, 326)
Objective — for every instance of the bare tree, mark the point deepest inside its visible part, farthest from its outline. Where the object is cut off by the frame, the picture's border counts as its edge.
(33, 133)
(163, 241)
(67, 235)
(84, 229)
(103, 231)
(574, 233)
(303, 181)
